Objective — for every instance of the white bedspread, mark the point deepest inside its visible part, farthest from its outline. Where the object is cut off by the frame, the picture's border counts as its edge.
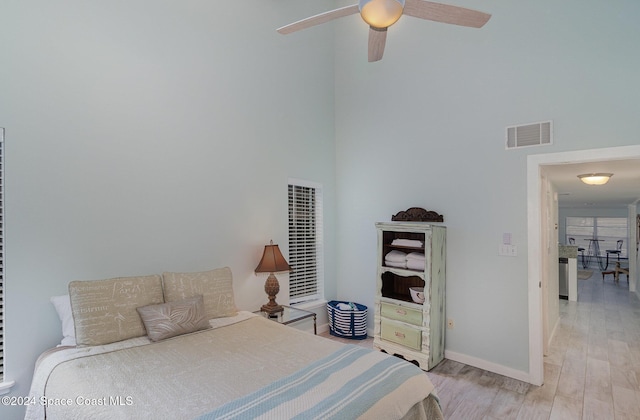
(351, 383)
(187, 376)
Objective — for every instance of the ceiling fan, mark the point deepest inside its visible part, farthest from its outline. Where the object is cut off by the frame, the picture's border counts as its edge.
(380, 14)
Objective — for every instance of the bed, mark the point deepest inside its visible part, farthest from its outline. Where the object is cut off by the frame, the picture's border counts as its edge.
(236, 366)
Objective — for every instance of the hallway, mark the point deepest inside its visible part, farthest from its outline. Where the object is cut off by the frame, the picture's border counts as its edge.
(594, 360)
(592, 370)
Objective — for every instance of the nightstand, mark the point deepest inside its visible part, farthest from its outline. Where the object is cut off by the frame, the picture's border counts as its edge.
(290, 315)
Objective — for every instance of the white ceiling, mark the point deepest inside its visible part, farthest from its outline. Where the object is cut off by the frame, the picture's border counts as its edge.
(622, 189)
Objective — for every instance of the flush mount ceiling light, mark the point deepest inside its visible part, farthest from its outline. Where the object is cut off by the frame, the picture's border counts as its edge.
(595, 179)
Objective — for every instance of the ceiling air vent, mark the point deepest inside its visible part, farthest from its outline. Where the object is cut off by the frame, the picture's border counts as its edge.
(535, 134)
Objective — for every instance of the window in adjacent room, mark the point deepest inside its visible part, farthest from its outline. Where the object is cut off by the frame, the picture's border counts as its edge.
(305, 242)
(608, 229)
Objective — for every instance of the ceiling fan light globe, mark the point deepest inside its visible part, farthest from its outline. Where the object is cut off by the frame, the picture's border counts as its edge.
(381, 13)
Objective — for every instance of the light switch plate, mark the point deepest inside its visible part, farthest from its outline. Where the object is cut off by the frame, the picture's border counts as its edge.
(508, 250)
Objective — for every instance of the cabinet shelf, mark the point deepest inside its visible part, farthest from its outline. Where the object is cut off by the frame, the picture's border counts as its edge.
(402, 247)
(405, 272)
(399, 298)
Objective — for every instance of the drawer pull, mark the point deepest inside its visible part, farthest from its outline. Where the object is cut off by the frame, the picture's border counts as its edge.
(401, 312)
(400, 335)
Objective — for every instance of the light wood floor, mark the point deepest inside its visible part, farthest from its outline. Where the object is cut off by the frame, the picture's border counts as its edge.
(592, 370)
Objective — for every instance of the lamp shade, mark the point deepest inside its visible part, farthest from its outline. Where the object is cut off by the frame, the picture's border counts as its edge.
(272, 260)
(595, 179)
(381, 13)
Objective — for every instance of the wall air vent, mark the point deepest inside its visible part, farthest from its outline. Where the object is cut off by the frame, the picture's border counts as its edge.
(534, 134)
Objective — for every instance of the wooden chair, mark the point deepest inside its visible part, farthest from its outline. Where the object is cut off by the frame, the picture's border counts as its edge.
(612, 272)
(620, 270)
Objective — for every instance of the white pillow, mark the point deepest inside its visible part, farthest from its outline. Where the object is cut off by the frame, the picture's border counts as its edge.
(63, 308)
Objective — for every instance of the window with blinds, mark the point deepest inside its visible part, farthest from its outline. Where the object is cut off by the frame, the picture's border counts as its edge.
(1, 255)
(607, 229)
(305, 241)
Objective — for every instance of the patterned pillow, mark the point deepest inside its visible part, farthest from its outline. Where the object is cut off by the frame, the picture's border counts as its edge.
(104, 311)
(215, 286)
(167, 320)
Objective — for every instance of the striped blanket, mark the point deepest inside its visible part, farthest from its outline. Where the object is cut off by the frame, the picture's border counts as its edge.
(353, 382)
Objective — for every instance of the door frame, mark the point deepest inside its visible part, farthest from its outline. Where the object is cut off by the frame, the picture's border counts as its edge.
(534, 238)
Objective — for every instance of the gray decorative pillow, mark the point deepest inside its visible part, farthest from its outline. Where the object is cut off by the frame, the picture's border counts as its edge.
(167, 320)
(104, 311)
(215, 286)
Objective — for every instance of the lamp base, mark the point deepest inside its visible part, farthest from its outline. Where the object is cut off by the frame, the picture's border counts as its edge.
(271, 287)
(271, 309)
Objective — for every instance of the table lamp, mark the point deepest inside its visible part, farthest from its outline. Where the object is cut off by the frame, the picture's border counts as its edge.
(272, 262)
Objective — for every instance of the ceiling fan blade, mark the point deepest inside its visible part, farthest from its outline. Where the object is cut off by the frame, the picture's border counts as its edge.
(445, 13)
(377, 39)
(319, 19)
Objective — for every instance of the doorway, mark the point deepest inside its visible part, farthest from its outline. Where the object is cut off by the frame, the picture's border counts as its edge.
(536, 188)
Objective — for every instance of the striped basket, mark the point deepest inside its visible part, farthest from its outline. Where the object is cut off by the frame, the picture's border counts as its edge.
(347, 323)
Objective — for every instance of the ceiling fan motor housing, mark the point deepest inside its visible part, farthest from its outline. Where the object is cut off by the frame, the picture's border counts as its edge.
(381, 13)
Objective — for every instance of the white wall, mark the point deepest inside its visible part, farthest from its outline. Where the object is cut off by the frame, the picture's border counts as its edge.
(425, 127)
(147, 136)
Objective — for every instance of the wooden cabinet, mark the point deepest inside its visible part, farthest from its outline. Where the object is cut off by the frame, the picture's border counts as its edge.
(402, 327)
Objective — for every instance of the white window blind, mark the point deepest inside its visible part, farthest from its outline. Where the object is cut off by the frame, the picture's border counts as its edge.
(1, 255)
(607, 229)
(305, 241)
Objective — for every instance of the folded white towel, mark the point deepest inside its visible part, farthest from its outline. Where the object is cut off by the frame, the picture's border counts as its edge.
(344, 307)
(407, 242)
(395, 256)
(399, 264)
(415, 265)
(415, 256)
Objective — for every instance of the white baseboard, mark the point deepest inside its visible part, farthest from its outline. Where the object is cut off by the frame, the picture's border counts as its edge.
(323, 328)
(488, 366)
(468, 360)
